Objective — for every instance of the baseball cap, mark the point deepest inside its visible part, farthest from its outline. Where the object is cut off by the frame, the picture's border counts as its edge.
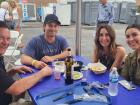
(51, 18)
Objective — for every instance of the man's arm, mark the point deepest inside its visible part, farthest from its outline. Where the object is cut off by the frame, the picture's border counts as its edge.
(23, 84)
(64, 46)
(30, 54)
(27, 60)
(62, 55)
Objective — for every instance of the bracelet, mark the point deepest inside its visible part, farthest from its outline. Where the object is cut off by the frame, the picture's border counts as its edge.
(33, 62)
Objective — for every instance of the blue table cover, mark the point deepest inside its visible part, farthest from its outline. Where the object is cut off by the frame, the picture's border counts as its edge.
(124, 96)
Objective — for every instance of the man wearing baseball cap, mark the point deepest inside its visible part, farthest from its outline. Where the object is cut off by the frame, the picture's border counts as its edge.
(46, 47)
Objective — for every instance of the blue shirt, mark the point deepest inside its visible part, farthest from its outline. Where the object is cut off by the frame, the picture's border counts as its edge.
(105, 13)
(38, 47)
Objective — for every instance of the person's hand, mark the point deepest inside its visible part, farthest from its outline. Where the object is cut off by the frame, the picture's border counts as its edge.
(39, 64)
(66, 53)
(47, 59)
(22, 69)
(46, 71)
(10, 18)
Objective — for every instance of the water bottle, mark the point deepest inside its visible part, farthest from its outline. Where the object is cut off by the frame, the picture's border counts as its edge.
(113, 82)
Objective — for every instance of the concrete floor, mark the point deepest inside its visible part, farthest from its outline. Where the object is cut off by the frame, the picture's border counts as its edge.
(31, 29)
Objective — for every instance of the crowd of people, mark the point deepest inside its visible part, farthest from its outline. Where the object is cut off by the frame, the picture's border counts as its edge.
(50, 46)
(10, 13)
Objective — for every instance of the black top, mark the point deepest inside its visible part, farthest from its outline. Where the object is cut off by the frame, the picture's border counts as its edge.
(5, 82)
(106, 60)
(2, 66)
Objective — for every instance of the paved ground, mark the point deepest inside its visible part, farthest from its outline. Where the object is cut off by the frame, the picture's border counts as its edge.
(31, 29)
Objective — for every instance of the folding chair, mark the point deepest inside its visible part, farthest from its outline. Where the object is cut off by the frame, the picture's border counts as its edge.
(18, 62)
(12, 54)
(14, 35)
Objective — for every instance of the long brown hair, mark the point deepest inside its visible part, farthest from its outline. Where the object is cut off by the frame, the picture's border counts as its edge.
(112, 46)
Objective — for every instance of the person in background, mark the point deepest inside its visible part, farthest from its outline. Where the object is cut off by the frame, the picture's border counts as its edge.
(131, 69)
(105, 13)
(16, 13)
(8, 86)
(4, 12)
(106, 50)
(46, 47)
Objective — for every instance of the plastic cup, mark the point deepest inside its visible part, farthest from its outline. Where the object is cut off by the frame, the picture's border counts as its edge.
(57, 75)
(60, 65)
(57, 70)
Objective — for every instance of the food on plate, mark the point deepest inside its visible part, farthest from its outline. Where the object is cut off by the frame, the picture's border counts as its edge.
(97, 68)
(77, 75)
(59, 62)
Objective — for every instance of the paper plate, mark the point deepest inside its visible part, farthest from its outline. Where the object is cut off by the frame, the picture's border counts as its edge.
(76, 75)
(97, 68)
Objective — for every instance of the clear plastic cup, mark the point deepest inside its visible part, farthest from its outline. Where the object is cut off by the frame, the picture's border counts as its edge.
(57, 75)
(58, 67)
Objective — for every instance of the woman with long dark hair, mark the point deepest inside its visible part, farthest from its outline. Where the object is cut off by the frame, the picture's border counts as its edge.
(106, 50)
(131, 69)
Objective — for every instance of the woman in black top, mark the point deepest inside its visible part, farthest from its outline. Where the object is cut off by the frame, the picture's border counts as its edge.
(106, 50)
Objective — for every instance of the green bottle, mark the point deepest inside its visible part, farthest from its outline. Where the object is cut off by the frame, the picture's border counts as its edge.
(68, 73)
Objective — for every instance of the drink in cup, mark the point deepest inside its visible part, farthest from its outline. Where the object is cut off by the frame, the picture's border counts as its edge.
(57, 72)
(59, 67)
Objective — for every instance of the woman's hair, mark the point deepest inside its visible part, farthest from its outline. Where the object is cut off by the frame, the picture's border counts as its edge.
(112, 45)
(133, 26)
(13, 3)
